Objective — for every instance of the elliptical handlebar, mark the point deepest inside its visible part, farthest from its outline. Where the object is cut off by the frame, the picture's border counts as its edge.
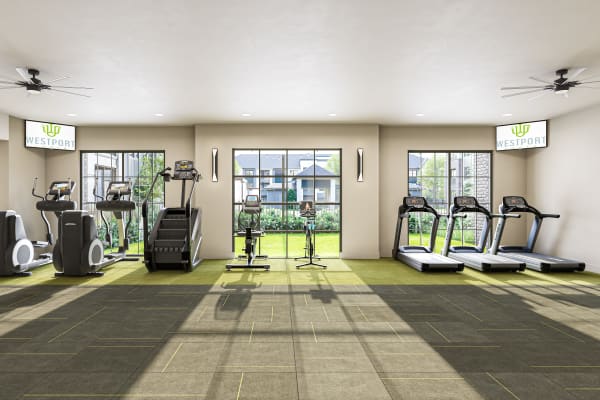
(33, 189)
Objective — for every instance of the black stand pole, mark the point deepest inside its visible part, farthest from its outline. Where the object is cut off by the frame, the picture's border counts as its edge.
(310, 247)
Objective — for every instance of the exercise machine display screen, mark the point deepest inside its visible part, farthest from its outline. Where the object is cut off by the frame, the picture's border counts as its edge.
(514, 201)
(184, 165)
(123, 188)
(184, 170)
(413, 201)
(62, 188)
(307, 209)
(252, 200)
(465, 201)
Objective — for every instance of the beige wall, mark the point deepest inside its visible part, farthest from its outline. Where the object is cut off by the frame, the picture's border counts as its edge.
(4, 127)
(394, 144)
(561, 179)
(360, 219)
(25, 164)
(4, 175)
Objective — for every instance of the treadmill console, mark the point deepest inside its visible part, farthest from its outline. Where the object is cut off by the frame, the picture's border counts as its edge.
(61, 188)
(514, 202)
(465, 201)
(414, 202)
(184, 170)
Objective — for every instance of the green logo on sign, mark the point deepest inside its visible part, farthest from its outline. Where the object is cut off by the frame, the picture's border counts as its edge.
(51, 130)
(520, 130)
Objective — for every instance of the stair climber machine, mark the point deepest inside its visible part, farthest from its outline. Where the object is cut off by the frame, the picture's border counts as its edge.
(474, 256)
(175, 239)
(16, 250)
(78, 251)
(525, 254)
(118, 201)
(421, 258)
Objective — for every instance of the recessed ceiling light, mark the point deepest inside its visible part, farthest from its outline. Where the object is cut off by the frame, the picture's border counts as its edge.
(507, 115)
(246, 115)
(71, 115)
(420, 115)
(158, 115)
(332, 115)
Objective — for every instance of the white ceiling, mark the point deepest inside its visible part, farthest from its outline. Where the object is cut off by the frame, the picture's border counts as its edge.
(379, 61)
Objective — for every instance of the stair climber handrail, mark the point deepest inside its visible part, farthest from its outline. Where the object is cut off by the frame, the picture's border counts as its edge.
(145, 204)
(188, 215)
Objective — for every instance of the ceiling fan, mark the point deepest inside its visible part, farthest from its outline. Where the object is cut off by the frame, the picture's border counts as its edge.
(34, 85)
(561, 85)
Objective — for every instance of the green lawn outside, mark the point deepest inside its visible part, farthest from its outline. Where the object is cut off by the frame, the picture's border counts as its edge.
(273, 244)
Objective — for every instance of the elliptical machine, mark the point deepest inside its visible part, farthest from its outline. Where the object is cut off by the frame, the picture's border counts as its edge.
(175, 239)
(78, 251)
(16, 250)
(118, 201)
(249, 228)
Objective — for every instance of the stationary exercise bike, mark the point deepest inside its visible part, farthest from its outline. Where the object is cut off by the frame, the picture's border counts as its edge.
(308, 211)
(16, 250)
(249, 227)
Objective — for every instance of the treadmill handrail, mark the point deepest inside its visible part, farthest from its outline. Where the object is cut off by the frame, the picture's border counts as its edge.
(506, 215)
(550, 215)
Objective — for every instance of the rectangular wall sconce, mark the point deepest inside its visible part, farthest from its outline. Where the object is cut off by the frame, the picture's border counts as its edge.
(215, 164)
(359, 164)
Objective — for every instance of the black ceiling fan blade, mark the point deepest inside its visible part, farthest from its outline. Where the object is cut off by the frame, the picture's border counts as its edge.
(522, 87)
(72, 87)
(57, 79)
(540, 80)
(526, 92)
(64, 91)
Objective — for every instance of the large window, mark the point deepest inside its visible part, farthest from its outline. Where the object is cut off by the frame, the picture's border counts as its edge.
(439, 177)
(139, 168)
(286, 177)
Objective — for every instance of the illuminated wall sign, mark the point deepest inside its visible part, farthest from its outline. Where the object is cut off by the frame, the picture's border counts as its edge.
(46, 135)
(521, 136)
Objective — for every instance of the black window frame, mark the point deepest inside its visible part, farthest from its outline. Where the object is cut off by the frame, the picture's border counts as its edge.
(283, 179)
(154, 206)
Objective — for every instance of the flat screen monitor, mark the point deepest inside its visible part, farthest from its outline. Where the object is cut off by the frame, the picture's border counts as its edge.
(46, 135)
(526, 135)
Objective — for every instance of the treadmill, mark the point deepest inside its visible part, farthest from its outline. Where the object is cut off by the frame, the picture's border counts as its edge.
(535, 261)
(474, 256)
(421, 258)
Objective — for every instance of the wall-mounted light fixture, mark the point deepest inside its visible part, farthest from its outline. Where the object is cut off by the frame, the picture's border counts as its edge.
(215, 164)
(359, 164)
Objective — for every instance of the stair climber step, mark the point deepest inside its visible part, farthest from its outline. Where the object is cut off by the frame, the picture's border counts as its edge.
(168, 245)
(169, 223)
(164, 233)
